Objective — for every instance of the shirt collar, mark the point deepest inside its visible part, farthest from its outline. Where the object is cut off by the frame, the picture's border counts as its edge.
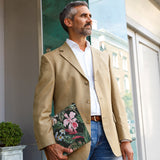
(73, 44)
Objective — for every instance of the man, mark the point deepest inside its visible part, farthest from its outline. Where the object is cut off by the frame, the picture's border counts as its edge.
(76, 72)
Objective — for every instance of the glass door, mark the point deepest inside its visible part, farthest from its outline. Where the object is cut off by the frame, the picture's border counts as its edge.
(110, 35)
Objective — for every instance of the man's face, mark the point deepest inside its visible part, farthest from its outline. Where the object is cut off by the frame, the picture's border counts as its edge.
(82, 23)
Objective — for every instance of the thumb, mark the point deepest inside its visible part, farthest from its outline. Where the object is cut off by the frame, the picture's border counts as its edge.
(67, 150)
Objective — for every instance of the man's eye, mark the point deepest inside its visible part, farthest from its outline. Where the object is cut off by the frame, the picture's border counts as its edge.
(86, 15)
(83, 15)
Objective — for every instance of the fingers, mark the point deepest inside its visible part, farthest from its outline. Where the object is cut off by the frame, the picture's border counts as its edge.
(130, 155)
(62, 157)
(63, 149)
(55, 152)
(123, 155)
(126, 150)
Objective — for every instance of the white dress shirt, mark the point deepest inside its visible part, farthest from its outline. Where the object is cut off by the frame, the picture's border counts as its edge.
(85, 60)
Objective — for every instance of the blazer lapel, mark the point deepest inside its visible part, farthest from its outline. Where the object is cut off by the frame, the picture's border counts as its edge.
(66, 52)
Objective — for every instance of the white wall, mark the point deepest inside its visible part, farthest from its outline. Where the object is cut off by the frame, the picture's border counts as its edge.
(2, 61)
(21, 68)
(144, 13)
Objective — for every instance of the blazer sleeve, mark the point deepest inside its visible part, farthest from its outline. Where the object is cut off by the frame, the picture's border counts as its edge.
(118, 109)
(42, 107)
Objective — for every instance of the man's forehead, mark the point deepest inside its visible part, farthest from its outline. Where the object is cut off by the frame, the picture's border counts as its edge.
(82, 9)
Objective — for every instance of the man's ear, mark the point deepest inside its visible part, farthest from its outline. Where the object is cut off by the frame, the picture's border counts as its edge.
(68, 22)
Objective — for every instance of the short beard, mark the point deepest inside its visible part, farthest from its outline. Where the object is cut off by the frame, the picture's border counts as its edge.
(86, 31)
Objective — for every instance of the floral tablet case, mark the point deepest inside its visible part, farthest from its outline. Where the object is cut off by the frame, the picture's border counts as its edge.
(69, 129)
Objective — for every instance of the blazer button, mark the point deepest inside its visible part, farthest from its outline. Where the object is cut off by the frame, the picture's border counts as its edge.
(86, 82)
(88, 101)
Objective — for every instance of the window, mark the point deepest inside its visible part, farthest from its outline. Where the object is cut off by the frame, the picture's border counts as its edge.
(125, 66)
(118, 81)
(102, 46)
(126, 83)
(115, 60)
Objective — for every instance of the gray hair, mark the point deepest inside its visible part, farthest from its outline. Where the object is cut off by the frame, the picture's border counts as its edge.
(69, 12)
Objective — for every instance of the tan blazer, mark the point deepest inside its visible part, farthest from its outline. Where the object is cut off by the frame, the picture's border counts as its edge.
(63, 80)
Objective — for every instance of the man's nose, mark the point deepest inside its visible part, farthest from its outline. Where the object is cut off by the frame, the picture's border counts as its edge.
(89, 19)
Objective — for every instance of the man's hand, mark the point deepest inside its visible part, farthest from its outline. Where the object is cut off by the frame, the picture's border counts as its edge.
(126, 150)
(55, 152)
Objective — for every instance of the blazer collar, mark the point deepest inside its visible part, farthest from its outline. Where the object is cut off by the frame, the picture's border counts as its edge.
(66, 52)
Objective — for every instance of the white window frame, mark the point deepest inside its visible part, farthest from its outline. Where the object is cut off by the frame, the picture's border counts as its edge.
(132, 28)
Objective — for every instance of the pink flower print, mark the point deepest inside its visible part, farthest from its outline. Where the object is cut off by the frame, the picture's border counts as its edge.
(77, 137)
(71, 122)
(75, 125)
(71, 131)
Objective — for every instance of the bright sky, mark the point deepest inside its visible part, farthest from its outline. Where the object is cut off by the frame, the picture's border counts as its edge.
(110, 15)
